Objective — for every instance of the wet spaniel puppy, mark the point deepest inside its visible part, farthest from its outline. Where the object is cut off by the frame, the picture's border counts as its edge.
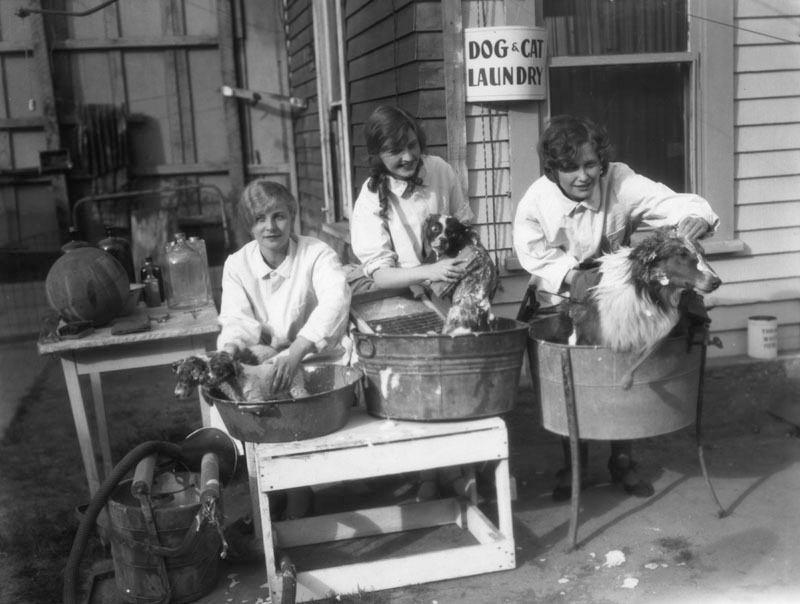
(447, 237)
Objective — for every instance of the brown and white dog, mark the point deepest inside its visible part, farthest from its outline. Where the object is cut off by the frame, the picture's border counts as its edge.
(636, 300)
(447, 237)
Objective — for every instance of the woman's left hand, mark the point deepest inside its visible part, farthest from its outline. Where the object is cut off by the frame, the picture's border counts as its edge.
(285, 368)
(692, 227)
(286, 365)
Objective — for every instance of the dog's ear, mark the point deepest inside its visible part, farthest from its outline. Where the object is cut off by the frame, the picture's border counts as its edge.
(177, 365)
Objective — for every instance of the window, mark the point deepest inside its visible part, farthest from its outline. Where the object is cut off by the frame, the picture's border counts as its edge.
(659, 75)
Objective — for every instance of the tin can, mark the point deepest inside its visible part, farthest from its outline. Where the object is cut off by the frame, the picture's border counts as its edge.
(152, 293)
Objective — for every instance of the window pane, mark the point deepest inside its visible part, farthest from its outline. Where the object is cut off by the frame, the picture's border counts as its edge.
(602, 27)
(641, 106)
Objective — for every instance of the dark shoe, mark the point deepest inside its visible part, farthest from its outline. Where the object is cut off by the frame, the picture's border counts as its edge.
(563, 489)
(623, 470)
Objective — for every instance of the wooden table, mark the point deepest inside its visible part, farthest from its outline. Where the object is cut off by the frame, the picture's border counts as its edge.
(182, 334)
(370, 447)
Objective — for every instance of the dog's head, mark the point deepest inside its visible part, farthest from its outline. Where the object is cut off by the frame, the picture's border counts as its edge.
(189, 373)
(665, 260)
(445, 235)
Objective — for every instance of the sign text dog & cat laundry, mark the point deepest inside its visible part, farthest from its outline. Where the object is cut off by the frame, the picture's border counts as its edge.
(505, 63)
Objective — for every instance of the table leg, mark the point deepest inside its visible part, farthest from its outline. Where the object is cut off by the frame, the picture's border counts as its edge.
(503, 486)
(81, 424)
(252, 473)
(102, 423)
(261, 509)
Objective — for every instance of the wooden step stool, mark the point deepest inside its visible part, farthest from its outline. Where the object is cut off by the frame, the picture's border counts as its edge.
(369, 447)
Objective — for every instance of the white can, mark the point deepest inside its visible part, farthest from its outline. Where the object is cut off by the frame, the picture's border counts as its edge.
(762, 337)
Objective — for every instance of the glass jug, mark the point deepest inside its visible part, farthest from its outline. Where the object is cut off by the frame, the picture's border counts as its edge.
(185, 279)
(199, 244)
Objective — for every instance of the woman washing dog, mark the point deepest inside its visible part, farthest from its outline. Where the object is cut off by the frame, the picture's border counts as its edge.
(585, 206)
(405, 187)
(284, 297)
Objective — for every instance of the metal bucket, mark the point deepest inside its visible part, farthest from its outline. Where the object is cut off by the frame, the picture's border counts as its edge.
(138, 574)
(333, 394)
(435, 377)
(662, 398)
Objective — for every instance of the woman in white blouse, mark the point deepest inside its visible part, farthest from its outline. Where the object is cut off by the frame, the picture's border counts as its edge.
(404, 188)
(282, 293)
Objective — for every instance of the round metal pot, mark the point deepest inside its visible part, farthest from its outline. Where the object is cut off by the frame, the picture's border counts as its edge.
(661, 399)
(327, 409)
(430, 377)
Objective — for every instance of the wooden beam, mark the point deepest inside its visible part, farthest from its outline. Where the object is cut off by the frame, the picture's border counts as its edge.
(161, 42)
(21, 123)
(524, 119)
(230, 108)
(454, 88)
(47, 101)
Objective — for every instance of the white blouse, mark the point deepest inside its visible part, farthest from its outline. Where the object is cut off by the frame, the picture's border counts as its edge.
(306, 295)
(553, 234)
(396, 241)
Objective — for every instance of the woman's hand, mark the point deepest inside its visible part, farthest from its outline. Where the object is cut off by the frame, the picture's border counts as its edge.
(448, 269)
(287, 364)
(692, 227)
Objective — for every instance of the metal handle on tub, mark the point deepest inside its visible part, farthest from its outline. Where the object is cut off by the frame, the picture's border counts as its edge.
(360, 342)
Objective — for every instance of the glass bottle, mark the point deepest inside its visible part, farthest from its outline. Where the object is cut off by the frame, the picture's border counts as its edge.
(200, 245)
(150, 271)
(120, 248)
(185, 275)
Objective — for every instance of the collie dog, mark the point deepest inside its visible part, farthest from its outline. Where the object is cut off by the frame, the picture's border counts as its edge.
(446, 237)
(637, 297)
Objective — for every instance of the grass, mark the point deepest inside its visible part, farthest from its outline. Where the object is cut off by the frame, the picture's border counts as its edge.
(43, 478)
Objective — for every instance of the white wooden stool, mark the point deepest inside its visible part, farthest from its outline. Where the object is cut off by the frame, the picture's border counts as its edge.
(370, 447)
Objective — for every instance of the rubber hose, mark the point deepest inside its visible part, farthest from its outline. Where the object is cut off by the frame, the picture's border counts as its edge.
(99, 501)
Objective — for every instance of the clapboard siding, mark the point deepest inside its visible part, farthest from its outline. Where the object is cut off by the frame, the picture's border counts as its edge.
(767, 137)
(761, 190)
(767, 163)
(767, 215)
(767, 84)
(767, 58)
(764, 278)
(766, 30)
(766, 111)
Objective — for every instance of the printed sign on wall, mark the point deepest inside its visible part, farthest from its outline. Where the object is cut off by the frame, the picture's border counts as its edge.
(505, 63)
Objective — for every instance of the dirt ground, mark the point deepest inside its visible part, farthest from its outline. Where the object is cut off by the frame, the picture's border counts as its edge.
(673, 546)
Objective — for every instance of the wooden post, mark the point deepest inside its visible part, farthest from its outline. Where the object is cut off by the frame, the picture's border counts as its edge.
(454, 89)
(231, 112)
(52, 135)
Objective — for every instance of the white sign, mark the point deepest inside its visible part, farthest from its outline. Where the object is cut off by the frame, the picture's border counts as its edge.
(505, 63)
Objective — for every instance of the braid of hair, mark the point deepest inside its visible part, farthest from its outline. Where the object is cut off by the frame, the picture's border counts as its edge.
(379, 183)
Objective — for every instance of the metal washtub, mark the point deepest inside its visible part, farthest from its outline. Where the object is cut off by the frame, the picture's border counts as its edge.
(431, 377)
(662, 398)
(332, 391)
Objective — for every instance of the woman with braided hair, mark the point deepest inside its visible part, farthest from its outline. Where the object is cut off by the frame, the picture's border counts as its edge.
(405, 186)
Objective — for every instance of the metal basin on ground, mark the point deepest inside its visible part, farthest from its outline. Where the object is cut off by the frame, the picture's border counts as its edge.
(332, 391)
(436, 377)
(661, 399)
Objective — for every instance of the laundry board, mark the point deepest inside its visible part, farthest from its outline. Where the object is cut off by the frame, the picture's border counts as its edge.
(397, 311)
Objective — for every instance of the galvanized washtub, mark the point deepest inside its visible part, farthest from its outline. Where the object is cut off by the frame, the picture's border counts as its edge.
(332, 391)
(662, 397)
(430, 377)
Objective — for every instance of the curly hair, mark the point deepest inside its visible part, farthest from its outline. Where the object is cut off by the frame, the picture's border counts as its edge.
(387, 129)
(562, 139)
(258, 195)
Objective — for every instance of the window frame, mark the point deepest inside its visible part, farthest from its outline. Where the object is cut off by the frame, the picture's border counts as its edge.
(710, 103)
